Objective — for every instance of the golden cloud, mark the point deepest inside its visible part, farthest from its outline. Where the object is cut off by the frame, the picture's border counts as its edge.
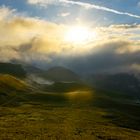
(21, 36)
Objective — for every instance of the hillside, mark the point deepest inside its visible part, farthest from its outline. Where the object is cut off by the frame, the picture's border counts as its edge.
(60, 74)
(124, 83)
(63, 87)
(10, 83)
(32, 69)
(64, 110)
(12, 90)
(12, 69)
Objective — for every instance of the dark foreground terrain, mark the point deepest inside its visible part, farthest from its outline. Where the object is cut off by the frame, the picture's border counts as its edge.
(77, 115)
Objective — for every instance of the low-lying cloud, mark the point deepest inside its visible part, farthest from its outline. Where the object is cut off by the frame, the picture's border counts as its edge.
(35, 41)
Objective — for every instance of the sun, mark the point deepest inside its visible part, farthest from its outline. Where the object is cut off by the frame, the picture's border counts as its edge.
(79, 34)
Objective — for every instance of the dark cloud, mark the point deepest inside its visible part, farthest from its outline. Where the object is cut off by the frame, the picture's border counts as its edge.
(126, 26)
(106, 59)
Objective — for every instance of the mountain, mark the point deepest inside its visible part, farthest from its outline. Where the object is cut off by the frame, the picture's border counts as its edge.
(12, 69)
(122, 82)
(61, 74)
(32, 69)
(56, 74)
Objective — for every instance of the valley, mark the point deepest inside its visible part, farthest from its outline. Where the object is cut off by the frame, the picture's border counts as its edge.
(64, 110)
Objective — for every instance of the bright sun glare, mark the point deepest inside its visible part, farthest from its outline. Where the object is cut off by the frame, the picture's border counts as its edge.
(79, 34)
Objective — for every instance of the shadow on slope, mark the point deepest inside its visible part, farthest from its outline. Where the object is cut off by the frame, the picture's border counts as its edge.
(12, 69)
(11, 88)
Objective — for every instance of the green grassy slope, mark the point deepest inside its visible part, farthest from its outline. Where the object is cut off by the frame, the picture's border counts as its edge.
(66, 87)
(66, 111)
(67, 118)
(10, 88)
(8, 82)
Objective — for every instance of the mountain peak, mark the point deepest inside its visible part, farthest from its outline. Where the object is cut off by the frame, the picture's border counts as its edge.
(59, 73)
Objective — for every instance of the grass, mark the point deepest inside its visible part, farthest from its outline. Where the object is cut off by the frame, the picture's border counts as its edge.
(79, 114)
(11, 83)
(50, 122)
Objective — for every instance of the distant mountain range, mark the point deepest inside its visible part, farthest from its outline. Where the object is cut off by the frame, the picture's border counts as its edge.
(124, 83)
(54, 74)
(12, 69)
(61, 74)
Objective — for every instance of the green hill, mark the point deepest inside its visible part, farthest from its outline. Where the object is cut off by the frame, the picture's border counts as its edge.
(10, 83)
(12, 90)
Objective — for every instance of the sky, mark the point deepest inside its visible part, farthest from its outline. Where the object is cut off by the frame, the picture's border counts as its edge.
(44, 33)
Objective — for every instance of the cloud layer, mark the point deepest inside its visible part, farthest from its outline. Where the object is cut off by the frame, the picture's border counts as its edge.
(31, 40)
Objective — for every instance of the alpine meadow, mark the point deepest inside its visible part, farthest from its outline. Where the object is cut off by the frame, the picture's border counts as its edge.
(69, 70)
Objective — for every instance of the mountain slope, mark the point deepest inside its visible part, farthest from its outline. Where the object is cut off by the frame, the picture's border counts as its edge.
(124, 83)
(61, 74)
(32, 69)
(12, 90)
(66, 87)
(12, 69)
(9, 83)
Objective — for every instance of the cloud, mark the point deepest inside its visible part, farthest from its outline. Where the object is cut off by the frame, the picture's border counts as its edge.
(105, 59)
(82, 4)
(65, 14)
(40, 42)
(6, 13)
(43, 3)
(126, 26)
(20, 36)
(138, 4)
